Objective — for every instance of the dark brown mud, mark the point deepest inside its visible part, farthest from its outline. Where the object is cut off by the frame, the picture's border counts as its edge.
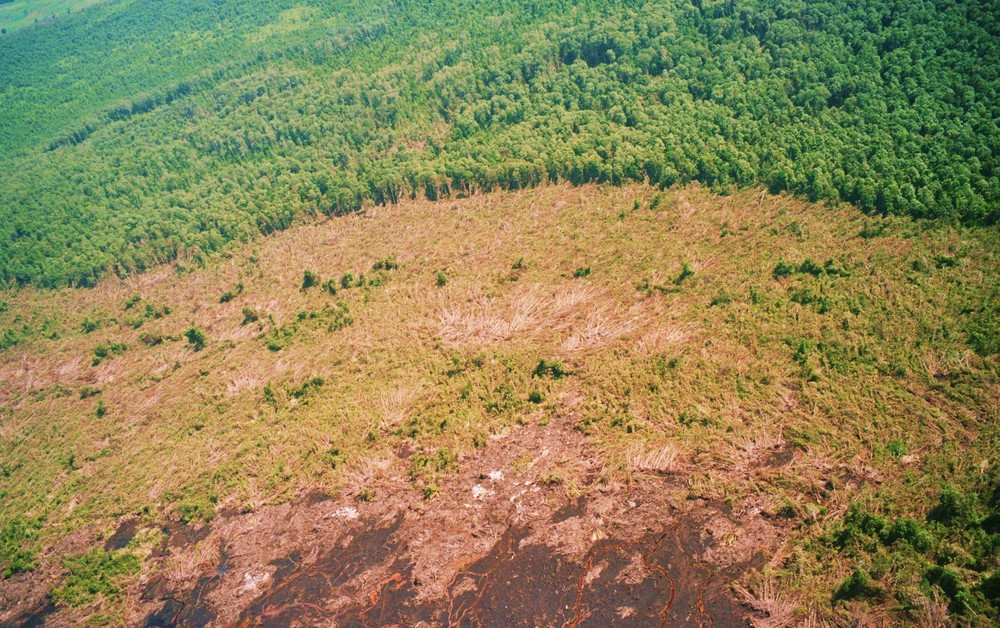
(654, 579)
(35, 618)
(493, 549)
(186, 609)
(123, 535)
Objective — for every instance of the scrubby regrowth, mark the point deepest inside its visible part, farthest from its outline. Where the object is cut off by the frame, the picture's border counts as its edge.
(803, 381)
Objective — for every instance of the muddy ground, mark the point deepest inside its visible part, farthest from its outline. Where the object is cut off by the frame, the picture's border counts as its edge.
(525, 534)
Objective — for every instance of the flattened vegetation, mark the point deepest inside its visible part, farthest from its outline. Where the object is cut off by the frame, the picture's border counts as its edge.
(789, 376)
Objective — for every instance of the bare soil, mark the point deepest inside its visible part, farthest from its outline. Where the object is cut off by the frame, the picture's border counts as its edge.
(500, 545)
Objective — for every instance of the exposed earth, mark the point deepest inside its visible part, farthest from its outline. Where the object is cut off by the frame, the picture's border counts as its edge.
(493, 549)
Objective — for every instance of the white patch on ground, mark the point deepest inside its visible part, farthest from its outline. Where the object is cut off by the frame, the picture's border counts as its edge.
(479, 492)
(594, 573)
(625, 611)
(496, 476)
(252, 582)
(347, 513)
(634, 573)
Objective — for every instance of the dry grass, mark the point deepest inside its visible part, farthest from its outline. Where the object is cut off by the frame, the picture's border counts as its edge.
(663, 459)
(582, 312)
(777, 608)
(721, 368)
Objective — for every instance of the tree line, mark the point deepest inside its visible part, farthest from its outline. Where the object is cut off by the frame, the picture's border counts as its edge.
(258, 119)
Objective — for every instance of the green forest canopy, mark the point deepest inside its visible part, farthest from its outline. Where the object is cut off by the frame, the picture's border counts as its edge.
(134, 133)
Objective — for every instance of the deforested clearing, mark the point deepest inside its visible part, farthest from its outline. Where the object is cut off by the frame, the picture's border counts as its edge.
(660, 405)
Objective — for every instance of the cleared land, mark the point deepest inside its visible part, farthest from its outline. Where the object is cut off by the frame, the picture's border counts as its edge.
(794, 406)
(16, 14)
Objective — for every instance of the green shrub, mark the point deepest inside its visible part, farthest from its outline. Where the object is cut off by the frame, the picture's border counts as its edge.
(805, 296)
(870, 230)
(336, 457)
(686, 273)
(583, 271)
(830, 268)
(897, 449)
(87, 326)
(950, 581)
(909, 531)
(722, 298)
(945, 261)
(859, 585)
(982, 330)
(249, 316)
(16, 541)
(553, 369)
(953, 508)
(131, 301)
(428, 467)
(385, 264)
(308, 387)
(442, 279)
(339, 316)
(196, 338)
(199, 508)
(860, 528)
(447, 460)
(782, 269)
(279, 337)
(104, 351)
(346, 281)
(989, 587)
(330, 286)
(809, 267)
(269, 396)
(309, 279)
(96, 573)
(9, 339)
(535, 397)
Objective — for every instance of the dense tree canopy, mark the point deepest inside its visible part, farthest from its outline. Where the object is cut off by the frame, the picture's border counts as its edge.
(138, 132)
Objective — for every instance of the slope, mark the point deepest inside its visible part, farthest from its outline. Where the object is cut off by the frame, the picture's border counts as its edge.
(793, 377)
(137, 132)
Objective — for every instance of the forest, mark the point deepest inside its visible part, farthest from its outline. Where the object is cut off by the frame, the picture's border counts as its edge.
(134, 134)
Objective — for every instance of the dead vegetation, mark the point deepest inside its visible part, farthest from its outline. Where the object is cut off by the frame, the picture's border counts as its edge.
(680, 357)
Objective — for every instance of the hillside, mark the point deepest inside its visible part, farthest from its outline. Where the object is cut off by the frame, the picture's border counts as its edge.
(683, 406)
(17, 14)
(136, 133)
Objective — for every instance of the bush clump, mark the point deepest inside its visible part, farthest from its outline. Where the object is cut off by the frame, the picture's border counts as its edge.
(96, 573)
(389, 263)
(859, 585)
(196, 338)
(309, 279)
(249, 316)
(104, 351)
(16, 539)
(782, 269)
(553, 369)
